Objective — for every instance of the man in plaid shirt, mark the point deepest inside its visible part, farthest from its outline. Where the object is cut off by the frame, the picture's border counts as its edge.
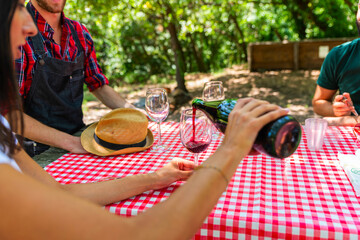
(52, 70)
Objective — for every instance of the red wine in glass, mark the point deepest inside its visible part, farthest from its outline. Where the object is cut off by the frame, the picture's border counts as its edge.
(193, 145)
(195, 131)
(196, 146)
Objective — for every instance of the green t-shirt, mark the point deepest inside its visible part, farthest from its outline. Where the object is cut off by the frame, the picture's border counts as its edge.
(341, 70)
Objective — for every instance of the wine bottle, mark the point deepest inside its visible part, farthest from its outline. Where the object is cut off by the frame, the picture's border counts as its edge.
(279, 138)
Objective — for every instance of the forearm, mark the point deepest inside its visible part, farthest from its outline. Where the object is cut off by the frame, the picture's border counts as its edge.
(341, 121)
(101, 193)
(39, 132)
(111, 191)
(323, 108)
(111, 98)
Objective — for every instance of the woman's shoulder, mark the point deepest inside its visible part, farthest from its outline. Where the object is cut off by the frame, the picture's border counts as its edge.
(6, 124)
(3, 121)
(4, 158)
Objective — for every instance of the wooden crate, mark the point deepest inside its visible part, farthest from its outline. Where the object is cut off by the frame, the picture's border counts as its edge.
(306, 54)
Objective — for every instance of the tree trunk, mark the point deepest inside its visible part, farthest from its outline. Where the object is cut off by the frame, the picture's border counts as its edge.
(197, 55)
(205, 42)
(178, 53)
(300, 25)
(231, 35)
(241, 33)
(303, 5)
(163, 47)
(277, 33)
(177, 48)
(349, 3)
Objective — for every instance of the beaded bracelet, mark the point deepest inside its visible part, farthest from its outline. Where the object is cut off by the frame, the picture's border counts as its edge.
(215, 168)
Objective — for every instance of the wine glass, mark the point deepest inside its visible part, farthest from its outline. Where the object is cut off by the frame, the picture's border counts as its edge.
(213, 91)
(157, 108)
(195, 131)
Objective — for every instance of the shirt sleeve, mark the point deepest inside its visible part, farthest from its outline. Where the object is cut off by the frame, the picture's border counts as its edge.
(24, 67)
(327, 78)
(94, 77)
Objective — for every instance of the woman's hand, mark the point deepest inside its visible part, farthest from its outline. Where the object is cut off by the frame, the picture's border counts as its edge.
(245, 121)
(177, 170)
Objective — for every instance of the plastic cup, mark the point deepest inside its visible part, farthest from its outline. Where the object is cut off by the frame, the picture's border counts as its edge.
(315, 129)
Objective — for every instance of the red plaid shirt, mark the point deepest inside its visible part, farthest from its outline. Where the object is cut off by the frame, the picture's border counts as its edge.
(67, 51)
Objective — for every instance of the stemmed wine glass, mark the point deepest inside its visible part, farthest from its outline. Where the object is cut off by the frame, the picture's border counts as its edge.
(195, 131)
(213, 91)
(157, 108)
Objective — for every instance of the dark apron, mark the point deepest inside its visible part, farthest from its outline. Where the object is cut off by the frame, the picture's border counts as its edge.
(56, 93)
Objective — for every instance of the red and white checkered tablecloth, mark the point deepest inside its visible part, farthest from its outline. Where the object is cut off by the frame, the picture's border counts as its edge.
(307, 195)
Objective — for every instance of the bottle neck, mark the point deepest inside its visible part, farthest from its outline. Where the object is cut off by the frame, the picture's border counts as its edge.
(209, 108)
(197, 103)
(201, 104)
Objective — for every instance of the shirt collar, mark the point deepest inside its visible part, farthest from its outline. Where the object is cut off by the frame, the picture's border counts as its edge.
(42, 25)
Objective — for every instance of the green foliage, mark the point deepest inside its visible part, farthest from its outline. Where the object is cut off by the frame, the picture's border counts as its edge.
(134, 42)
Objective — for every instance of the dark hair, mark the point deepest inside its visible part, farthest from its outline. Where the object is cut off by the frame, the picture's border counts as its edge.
(9, 93)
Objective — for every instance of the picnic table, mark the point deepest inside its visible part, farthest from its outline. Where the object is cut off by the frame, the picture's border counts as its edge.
(307, 195)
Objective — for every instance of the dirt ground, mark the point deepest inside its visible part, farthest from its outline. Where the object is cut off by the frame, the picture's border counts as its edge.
(291, 89)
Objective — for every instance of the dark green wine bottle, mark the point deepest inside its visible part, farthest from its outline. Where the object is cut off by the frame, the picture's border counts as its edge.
(279, 138)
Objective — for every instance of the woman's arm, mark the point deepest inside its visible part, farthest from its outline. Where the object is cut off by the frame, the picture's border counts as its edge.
(110, 191)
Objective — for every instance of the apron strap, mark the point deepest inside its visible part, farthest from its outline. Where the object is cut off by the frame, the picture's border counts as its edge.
(37, 39)
(75, 35)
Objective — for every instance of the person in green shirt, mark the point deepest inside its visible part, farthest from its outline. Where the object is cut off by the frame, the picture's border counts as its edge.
(339, 80)
(337, 94)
